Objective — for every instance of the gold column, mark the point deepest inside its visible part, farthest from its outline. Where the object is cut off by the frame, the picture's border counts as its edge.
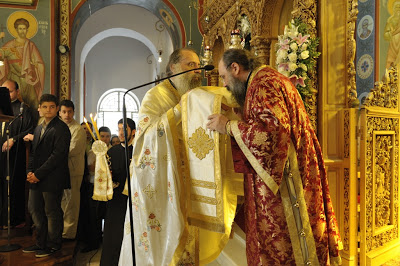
(262, 48)
(352, 7)
(214, 77)
(64, 58)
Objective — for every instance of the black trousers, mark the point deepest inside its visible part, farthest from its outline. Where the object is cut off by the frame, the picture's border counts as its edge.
(47, 215)
(91, 214)
(113, 229)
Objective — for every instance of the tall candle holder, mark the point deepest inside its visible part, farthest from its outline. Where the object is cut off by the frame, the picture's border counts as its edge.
(90, 131)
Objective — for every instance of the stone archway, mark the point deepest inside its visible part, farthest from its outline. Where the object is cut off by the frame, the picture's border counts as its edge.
(162, 10)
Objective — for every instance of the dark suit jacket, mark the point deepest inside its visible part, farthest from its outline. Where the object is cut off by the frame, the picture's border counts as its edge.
(117, 164)
(49, 157)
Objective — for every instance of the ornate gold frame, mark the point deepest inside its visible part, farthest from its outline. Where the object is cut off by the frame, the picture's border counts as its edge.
(64, 82)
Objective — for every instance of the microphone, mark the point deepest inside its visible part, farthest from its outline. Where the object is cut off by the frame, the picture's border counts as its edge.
(21, 108)
(206, 68)
(14, 119)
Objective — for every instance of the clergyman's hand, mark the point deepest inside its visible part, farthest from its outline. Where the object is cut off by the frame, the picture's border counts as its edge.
(217, 122)
(10, 144)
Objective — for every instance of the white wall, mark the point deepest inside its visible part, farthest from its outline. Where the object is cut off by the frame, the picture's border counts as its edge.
(117, 62)
(120, 23)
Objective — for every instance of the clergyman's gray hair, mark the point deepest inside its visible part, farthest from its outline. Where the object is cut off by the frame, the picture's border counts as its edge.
(176, 57)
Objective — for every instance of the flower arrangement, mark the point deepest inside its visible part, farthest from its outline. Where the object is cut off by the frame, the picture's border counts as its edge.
(296, 55)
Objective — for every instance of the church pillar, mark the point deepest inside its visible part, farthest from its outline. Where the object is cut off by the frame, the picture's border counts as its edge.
(262, 48)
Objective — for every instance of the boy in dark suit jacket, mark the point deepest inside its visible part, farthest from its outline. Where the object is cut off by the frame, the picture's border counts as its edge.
(49, 175)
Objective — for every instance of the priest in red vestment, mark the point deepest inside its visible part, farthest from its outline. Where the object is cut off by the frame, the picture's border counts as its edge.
(289, 217)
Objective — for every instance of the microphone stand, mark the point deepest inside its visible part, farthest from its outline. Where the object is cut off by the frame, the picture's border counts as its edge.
(207, 67)
(9, 246)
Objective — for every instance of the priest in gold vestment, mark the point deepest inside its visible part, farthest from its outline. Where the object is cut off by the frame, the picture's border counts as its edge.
(183, 204)
(289, 218)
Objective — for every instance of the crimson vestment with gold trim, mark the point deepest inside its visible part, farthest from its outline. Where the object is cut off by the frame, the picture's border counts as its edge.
(289, 214)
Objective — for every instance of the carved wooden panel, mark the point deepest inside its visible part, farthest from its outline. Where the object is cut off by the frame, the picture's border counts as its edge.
(347, 213)
(379, 161)
(379, 184)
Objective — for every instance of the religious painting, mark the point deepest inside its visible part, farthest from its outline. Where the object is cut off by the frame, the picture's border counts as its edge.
(364, 29)
(365, 49)
(25, 43)
(388, 50)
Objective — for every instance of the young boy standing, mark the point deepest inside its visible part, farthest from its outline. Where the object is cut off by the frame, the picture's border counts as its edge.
(48, 175)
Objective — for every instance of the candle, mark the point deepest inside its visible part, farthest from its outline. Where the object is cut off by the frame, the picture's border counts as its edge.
(95, 125)
(87, 125)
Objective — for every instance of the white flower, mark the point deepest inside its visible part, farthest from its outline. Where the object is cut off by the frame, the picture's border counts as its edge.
(303, 66)
(282, 54)
(285, 73)
(281, 69)
(294, 32)
(292, 57)
(286, 30)
(304, 47)
(305, 54)
(292, 66)
(294, 46)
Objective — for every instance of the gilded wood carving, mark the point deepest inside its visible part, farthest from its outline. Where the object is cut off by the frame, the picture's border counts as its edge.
(380, 152)
(381, 181)
(346, 202)
(346, 134)
(385, 93)
(383, 184)
(220, 18)
(352, 11)
(64, 58)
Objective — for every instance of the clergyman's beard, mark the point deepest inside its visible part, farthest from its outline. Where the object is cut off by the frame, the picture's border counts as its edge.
(187, 81)
(239, 90)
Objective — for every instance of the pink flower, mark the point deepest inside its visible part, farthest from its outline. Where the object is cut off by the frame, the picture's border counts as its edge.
(284, 66)
(284, 45)
(297, 80)
(300, 39)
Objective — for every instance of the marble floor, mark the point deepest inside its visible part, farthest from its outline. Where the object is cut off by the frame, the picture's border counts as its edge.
(70, 253)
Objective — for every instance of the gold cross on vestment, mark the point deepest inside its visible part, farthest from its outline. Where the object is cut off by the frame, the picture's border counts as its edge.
(149, 191)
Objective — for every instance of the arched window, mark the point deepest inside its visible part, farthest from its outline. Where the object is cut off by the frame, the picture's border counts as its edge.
(109, 108)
